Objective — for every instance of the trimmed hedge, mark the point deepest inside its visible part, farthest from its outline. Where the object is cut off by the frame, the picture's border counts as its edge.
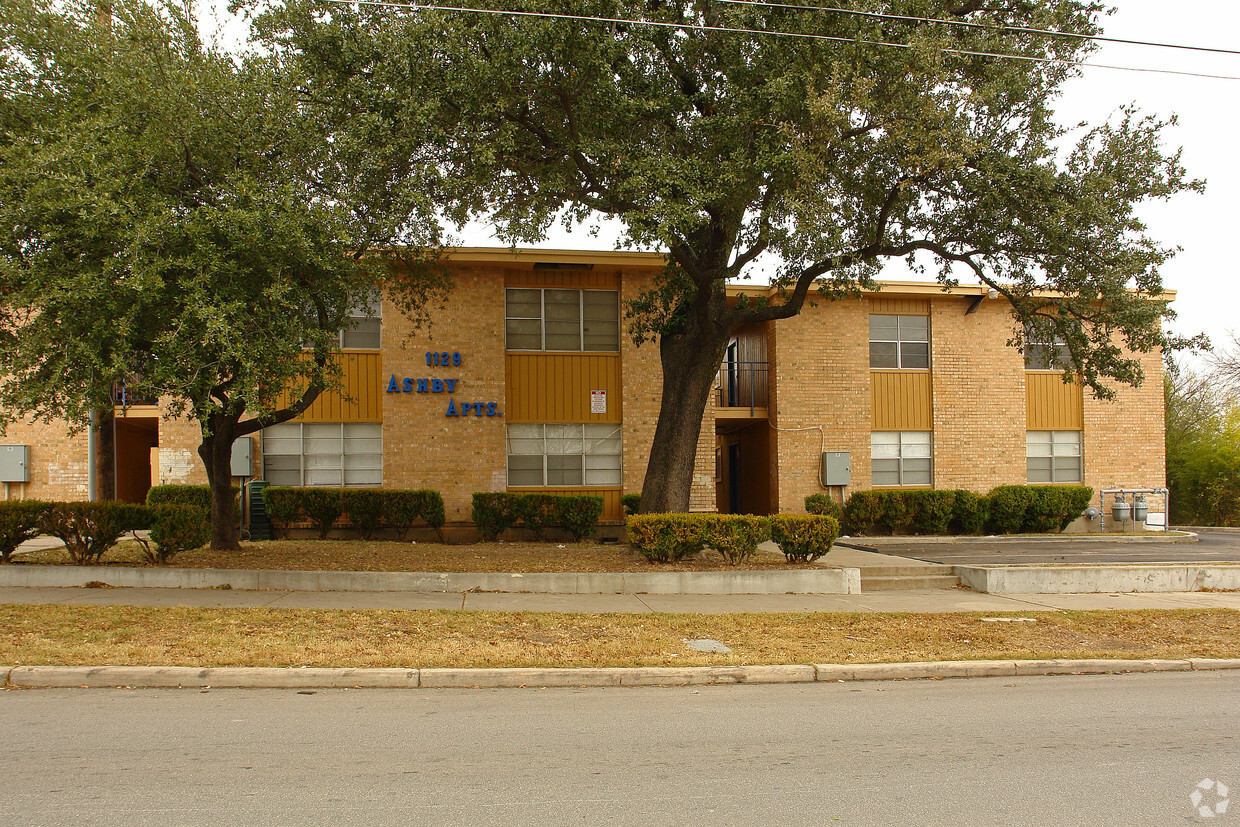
(88, 529)
(493, 512)
(283, 505)
(175, 527)
(632, 503)
(666, 538)
(496, 511)
(804, 537)
(736, 536)
(368, 509)
(1007, 509)
(19, 522)
(322, 507)
(579, 515)
(364, 507)
(822, 504)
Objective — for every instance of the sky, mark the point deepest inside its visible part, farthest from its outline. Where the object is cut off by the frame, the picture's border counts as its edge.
(1206, 274)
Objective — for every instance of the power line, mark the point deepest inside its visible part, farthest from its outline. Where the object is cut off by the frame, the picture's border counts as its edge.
(774, 33)
(974, 24)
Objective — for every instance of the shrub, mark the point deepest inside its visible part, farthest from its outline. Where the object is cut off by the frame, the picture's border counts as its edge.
(176, 528)
(321, 506)
(1035, 508)
(929, 511)
(537, 511)
(364, 507)
(88, 529)
(493, 512)
(861, 512)
(402, 506)
(969, 512)
(196, 495)
(666, 538)
(1007, 508)
(822, 504)
(804, 537)
(736, 536)
(632, 503)
(19, 522)
(283, 506)
(431, 507)
(579, 515)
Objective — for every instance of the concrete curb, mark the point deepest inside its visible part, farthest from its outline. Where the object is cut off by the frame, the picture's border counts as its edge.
(872, 543)
(191, 677)
(797, 581)
(1099, 578)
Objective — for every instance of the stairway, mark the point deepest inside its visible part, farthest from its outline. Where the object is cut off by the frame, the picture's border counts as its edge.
(907, 577)
(260, 525)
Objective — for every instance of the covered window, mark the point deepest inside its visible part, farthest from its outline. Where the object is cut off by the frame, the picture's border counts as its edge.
(899, 341)
(365, 328)
(346, 454)
(900, 458)
(546, 319)
(1053, 456)
(553, 455)
(1046, 352)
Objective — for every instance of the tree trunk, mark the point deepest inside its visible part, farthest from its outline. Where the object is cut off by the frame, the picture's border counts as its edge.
(105, 454)
(690, 363)
(216, 454)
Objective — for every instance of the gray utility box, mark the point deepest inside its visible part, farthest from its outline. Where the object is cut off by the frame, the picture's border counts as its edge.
(836, 468)
(14, 463)
(243, 457)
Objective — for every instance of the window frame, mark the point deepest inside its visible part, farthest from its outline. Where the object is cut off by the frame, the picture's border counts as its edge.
(902, 458)
(1052, 471)
(1044, 347)
(542, 320)
(900, 341)
(614, 431)
(366, 309)
(343, 455)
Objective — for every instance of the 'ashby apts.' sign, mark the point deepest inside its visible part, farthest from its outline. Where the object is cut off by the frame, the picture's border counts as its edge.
(436, 384)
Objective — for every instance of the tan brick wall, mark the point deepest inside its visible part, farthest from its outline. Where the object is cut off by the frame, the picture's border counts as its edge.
(57, 467)
(179, 463)
(978, 384)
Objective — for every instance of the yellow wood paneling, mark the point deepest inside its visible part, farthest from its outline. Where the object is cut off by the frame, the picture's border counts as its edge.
(1051, 405)
(555, 387)
(899, 307)
(613, 511)
(569, 278)
(900, 400)
(363, 382)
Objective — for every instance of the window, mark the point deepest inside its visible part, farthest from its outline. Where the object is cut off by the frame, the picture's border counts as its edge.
(900, 458)
(538, 319)
(1053, 456)
(366, 328)
(899, 341)
(1045, 351)
(323, 453)
(564, 455)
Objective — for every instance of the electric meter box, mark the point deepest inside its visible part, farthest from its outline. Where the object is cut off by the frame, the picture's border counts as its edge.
(14, 463)
(836, 468)
(242, 457)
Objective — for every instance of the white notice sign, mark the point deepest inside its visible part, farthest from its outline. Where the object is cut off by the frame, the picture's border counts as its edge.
(598, 402)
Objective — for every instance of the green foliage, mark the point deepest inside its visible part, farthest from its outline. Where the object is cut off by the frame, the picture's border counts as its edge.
(929, 511)
(364, 508)
(632, 503)
(969, 512)
(1031, 509)
(537, 512)
(196, 495)
(284, 507)
(804, 537)
(88, 529)
(862, 512)
(822, 504)
(322, 506)
(494, 512)
(19, 522)
(736, 536)
(666, 538)
(176, 528)
(1203, 444)
(579, 515)
(1007, 504)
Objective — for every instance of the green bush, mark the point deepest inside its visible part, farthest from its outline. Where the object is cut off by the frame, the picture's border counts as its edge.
(176, 528)
(861, 512)
(365, 508)
(196, 495)
(431, 507)
(19, 522)
(1007, 504)
(493, 512)
(929, 511)
(822, 504)
(579, 515)
(538, 511)
(969, 512)
(322, 507)
(632, 503)
(283, 505)
(666, 538)
(804, 537)
(88, 529)
(1017, 509)
(736, 536)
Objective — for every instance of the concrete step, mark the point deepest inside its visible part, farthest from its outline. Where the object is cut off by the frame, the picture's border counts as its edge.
(895, 582)
(910, 570)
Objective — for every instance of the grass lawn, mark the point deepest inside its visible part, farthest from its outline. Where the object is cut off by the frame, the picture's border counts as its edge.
(387, 555)
(112, 635)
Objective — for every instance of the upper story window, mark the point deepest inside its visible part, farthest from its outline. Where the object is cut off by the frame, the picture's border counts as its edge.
(365, 331)
(547, 319)
(1043, 353)
(899, 341)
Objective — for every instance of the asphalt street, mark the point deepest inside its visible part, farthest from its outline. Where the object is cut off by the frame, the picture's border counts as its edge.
(1127, 749)
(1212, 547)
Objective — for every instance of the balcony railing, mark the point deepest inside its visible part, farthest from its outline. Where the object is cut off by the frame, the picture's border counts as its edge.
(126, 397)
(742, 385)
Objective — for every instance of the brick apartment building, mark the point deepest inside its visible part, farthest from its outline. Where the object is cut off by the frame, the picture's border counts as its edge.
(526, 380)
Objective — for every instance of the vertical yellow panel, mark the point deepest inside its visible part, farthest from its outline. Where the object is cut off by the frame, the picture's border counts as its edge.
(555, 387)
(1051, 405)
(901, 400)
(581, 279)
(361, 380)
(613, 510)
(900, 307)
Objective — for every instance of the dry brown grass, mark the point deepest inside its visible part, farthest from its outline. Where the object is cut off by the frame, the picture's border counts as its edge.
(386, 555)
(98, 635)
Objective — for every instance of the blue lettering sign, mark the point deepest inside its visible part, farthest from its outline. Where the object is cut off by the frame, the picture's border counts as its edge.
(408, 385)
(422, 386)
(392, 388)
(491, 408)
(451, 409)
(451, 385)
(436, 386)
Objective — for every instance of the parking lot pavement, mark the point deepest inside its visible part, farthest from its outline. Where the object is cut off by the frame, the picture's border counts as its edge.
(1213, 547)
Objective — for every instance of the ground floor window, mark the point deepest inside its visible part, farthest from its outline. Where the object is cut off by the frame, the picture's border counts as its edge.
(1053, 456)
(552, 455)
(900, 458)
(323, 453)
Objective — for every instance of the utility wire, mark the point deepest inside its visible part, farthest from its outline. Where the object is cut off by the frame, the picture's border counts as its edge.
(974, 24)
(774, 33)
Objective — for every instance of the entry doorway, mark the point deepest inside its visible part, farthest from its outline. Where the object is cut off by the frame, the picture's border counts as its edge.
(135, 437)
(743, 482)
